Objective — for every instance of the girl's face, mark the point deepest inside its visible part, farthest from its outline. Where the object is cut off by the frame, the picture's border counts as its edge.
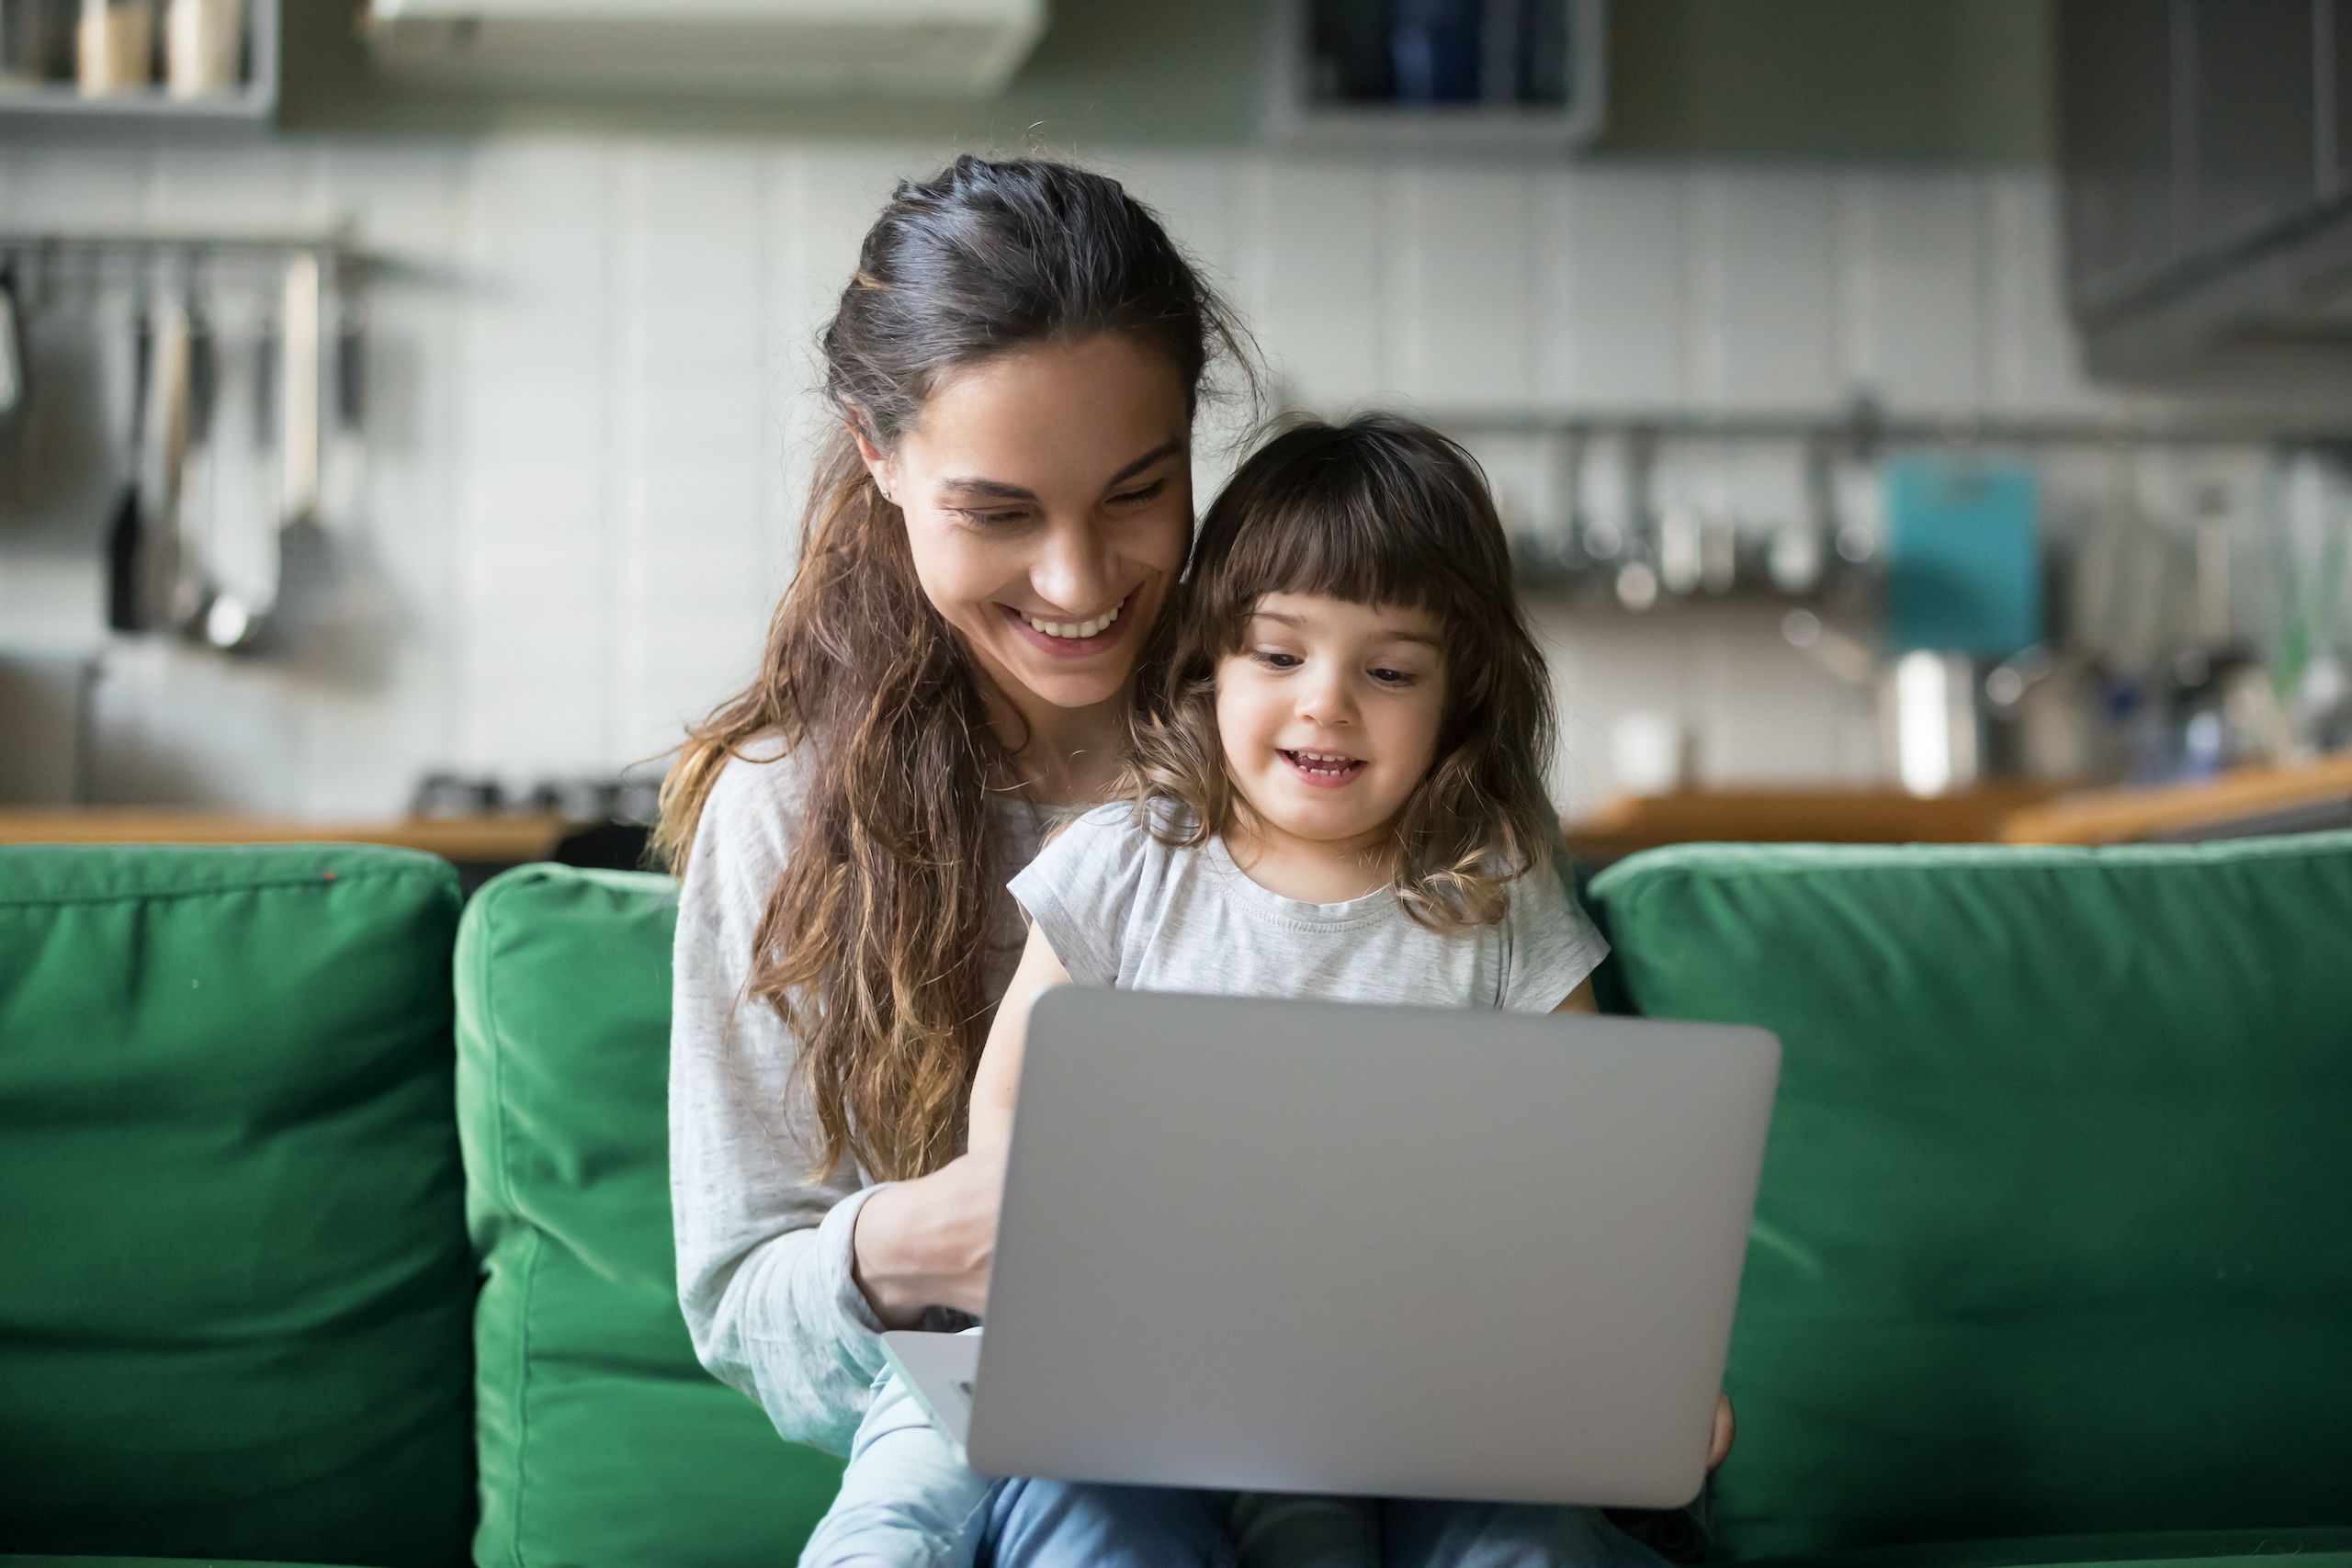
(1329, 715)
(1048, 501)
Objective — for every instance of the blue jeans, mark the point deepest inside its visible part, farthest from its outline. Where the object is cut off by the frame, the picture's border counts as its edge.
(1055, 1524)
(909, 1499)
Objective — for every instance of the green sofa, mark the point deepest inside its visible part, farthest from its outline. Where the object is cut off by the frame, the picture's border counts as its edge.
(334, 1226)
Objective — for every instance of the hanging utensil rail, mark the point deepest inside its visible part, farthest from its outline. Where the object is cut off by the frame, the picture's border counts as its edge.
(87, 252)
(1864, 426)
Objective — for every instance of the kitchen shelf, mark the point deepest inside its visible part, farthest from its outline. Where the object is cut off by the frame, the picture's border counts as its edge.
(61, 109)
(1300, 113)
(55, 101)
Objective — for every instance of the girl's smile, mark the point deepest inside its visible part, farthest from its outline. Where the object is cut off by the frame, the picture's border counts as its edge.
(1325, 770)
(1327, 715)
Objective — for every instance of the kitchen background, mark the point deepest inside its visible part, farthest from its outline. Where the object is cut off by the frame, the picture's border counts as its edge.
(560, 465)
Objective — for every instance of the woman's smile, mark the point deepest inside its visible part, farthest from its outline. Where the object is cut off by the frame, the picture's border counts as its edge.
(1076, 638)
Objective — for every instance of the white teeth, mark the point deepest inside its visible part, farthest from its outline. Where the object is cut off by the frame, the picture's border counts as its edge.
(1094, 627)
(1323, 761)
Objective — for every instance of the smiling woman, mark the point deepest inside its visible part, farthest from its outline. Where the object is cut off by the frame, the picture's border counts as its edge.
(1048, 502)
(1014, 368)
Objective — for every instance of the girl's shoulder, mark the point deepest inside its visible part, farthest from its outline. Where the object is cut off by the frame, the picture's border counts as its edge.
(1129, 822)
(1117, 844)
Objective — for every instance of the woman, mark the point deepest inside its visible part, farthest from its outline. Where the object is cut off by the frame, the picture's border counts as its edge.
(1017, 364)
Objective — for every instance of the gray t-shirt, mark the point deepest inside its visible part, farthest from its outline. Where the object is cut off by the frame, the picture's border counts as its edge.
(763, 1256)
(1122, 908)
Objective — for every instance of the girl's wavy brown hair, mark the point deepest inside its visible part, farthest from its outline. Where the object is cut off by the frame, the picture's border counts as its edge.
(873, 946)
(1379, 511)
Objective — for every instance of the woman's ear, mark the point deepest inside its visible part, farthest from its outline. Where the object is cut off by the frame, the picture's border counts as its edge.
(877, 463)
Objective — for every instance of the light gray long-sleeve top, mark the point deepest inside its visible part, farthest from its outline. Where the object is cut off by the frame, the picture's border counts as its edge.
(763, 1254)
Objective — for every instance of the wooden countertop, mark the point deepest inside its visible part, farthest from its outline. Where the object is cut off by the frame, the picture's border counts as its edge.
(2120, 816)
(496, 840)
(2004, 813)
(1619, 827)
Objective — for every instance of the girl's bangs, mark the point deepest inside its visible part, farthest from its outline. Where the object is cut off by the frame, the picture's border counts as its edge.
(1335, 548)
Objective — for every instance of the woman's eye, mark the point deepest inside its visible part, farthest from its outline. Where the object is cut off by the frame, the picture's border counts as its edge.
(1137, 497)
(989, 519)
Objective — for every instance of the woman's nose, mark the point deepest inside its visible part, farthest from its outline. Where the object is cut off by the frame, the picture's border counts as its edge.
(1073, 573)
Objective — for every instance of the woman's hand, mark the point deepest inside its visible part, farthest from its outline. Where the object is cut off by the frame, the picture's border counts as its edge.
(930, 1242)
(1720, 1444)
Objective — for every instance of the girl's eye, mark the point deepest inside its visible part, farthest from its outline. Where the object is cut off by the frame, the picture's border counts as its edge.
(1273, 660)
(1137, 497)
(1393, 677)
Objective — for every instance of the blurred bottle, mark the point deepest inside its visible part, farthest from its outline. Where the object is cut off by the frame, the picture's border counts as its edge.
(115, 47)
(202, 42)
(1435, 50)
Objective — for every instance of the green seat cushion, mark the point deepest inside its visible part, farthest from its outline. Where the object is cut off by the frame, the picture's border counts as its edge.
(2055, 1227)
(8, 1562)
(2206, 1549)
(603, 1442)
(236, 1305)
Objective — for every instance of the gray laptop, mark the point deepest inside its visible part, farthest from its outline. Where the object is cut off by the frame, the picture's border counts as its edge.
(1312, 1246)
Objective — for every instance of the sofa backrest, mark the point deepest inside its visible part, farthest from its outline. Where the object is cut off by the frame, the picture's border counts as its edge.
(602, 1439)
(2055, 1229)
(234, 1286)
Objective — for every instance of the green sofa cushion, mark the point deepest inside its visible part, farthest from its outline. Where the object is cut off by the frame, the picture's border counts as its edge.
(2055, 1228)
(235, 1302)
(602, 1440)
(2182, 1548)
(6, 1562)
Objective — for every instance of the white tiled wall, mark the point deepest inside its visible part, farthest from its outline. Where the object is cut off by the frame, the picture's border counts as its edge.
(588, 413)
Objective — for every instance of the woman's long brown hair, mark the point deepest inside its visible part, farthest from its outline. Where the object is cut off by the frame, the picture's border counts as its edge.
(1379, 510)
(874, 946)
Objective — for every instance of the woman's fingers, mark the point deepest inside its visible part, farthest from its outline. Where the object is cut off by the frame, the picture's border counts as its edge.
(1720, 1443)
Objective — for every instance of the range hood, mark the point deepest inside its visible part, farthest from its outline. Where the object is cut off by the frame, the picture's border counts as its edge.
(921, 48)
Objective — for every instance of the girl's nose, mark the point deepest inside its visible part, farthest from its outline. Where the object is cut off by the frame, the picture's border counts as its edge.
(1073, 572)
(1324, 697)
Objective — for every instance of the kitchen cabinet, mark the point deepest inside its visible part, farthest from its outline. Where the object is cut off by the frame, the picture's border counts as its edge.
(2248, 147)
(2336, 175)
(2201, 144)
(2115, 120)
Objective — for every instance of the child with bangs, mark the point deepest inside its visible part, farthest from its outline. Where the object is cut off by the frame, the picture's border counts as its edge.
(1337, 791)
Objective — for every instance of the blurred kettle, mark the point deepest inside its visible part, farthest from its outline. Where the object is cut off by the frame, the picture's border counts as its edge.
(1931, 717)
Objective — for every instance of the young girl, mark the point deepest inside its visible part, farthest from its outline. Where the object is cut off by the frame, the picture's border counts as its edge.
(1337, 792)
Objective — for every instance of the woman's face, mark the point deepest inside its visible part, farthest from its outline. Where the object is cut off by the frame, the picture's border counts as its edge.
(1049, 499)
